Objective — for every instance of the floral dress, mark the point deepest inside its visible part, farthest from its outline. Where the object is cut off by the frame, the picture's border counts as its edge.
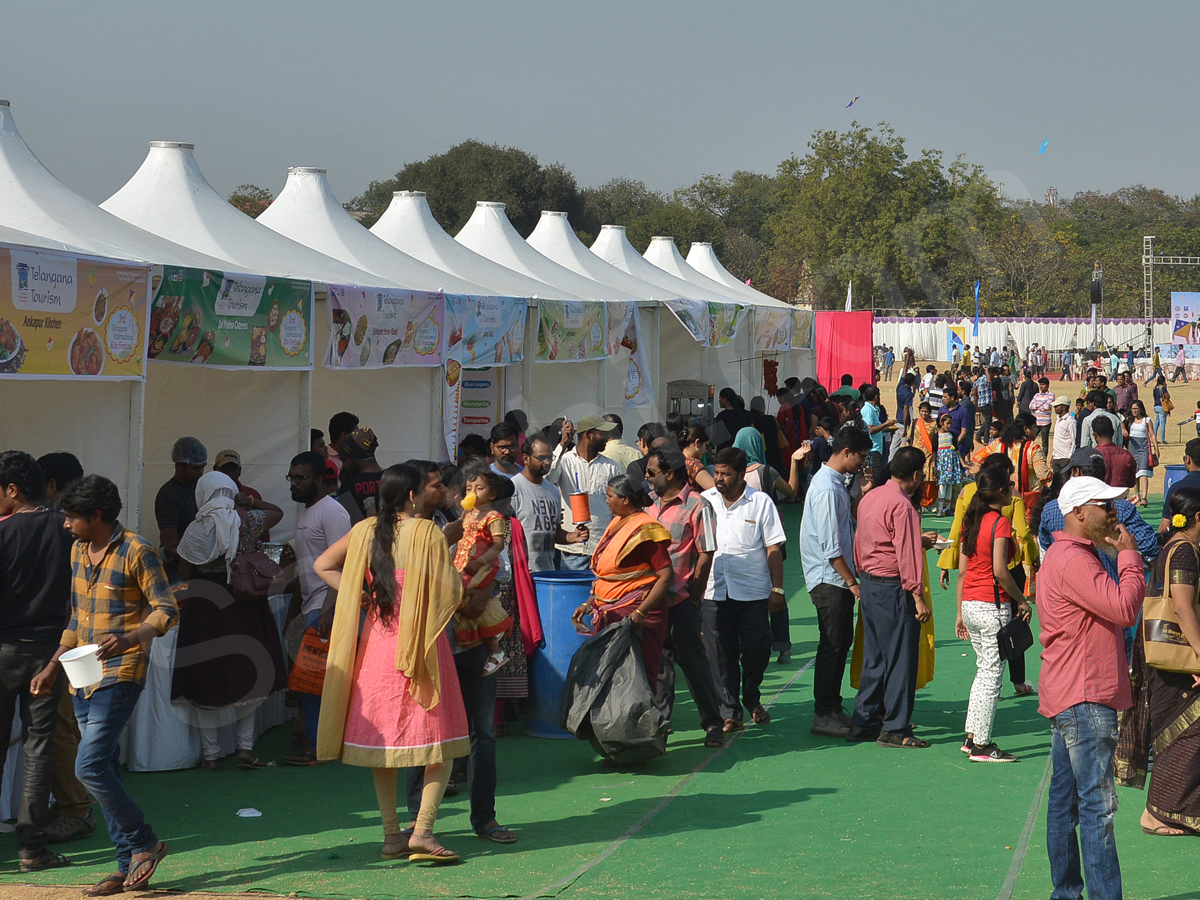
(949, 464)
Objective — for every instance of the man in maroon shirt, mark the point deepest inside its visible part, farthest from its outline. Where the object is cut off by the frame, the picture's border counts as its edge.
(1085, 682)
(888, 551)
(1119, 465)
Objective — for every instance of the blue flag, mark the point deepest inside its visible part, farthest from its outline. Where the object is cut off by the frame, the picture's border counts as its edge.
(975, 330)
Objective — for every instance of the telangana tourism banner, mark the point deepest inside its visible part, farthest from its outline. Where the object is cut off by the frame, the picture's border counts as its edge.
(230, 320)
(711, 324)
(803, 332)
(71, 317)
(370, 328)
(772, 329)
(625, 332)
(1185, 310)
(571, 330)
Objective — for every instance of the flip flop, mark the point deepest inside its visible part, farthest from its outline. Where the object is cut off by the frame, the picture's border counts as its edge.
(253, 762)
(439, 855)
(900, 741)
(143, 865)
(498, 834)
(396, 854)
(1166, 831)
(107, 886)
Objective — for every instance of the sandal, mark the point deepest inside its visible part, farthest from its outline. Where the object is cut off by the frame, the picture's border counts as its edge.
(900, 741)
(1024, 689)
(498, 834)
(394, 840)
(307, 758)
(733, 725)
(436, 854)
(760, 715)
(249, 761)
(43, 861)
(143, 866)
(494, 663)
(714, 737)
(107, 886)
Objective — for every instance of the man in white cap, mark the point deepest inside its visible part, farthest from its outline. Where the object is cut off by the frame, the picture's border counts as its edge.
(1064, 434)
(1085, 682)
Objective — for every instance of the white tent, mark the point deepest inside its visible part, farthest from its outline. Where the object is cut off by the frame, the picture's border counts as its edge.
(408, 224)
(489, 233)
(263, 414)
(612, 245)
(703, 259)
(306, 211)
(663, 253)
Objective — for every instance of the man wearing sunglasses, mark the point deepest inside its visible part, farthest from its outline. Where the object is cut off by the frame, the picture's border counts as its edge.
(1085, 681)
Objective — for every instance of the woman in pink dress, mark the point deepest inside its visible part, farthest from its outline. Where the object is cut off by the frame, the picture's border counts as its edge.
(391, 698)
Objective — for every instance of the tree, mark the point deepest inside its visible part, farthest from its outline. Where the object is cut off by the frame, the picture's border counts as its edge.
(619, 201)
(251, 199)
(474, 171)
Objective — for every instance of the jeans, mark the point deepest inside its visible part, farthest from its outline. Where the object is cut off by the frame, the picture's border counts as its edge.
(1160, 424)
(20, 661)
(479, 697)
(102, 717)
(835, 624)
(1180, 372)
(685, 646)
(1083, 798)
(891, 639)
(576, 562)
(311, 703)
(743, 651)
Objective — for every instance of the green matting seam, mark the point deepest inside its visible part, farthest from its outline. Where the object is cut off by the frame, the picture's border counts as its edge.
(778, 813)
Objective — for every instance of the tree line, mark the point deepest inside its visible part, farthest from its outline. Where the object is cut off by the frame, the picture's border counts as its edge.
(912, 231)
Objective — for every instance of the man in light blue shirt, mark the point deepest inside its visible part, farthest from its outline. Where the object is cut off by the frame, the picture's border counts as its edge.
(876, 425)
(827, 556)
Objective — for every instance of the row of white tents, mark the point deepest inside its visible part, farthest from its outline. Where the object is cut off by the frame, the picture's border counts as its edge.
(169, 215)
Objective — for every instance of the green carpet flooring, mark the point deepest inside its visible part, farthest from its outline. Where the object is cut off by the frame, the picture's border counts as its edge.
(778, 813)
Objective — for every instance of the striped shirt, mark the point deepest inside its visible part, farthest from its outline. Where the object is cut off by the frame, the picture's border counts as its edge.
(127, 588)
(693, 529)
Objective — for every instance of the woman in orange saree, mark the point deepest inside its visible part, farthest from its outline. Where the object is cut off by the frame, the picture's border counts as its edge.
(924, 431)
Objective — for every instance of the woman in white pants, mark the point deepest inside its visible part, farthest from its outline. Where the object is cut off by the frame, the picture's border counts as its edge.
(984, 586)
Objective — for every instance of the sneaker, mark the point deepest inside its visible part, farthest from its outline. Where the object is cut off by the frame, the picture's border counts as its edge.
(991, 753)
(968, 746)
(842, 716)
(829, 725)
(70, 828)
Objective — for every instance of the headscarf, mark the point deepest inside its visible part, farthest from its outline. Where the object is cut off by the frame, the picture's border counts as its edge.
(749, 441)
(217, 527)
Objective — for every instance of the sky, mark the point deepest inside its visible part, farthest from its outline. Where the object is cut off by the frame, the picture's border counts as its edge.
(663, 92)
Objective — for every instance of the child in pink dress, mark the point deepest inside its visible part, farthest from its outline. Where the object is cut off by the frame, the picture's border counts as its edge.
(477, 559)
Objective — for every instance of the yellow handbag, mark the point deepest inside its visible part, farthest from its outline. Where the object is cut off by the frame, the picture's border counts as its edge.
(1166, 646)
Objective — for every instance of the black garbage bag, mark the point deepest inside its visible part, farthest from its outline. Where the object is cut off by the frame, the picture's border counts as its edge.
(607, 699)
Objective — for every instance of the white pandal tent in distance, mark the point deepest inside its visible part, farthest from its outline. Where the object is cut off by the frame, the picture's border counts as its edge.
(264, 414)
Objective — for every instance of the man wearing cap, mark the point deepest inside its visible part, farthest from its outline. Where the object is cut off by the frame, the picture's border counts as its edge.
(1085, 681)
(230, 463)
(1064, 434)
(1040, 406)
(360, 473)
(1086, 462)
(175, 502)
(584, 469)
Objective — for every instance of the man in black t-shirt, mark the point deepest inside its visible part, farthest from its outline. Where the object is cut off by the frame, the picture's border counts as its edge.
(35, 598)
(175, 502)
(360, 474)
(732, 418)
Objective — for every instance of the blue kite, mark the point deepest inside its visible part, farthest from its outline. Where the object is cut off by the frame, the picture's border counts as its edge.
(1042, 149)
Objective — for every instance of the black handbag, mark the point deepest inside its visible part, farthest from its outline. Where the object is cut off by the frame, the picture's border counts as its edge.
(1016, 637)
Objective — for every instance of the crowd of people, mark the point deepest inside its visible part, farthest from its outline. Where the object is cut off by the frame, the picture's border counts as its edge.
(419, 578)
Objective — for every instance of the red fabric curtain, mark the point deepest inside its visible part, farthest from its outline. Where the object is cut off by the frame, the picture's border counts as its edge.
(844, 347)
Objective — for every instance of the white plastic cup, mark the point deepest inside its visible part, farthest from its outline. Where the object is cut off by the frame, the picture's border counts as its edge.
(83, 667)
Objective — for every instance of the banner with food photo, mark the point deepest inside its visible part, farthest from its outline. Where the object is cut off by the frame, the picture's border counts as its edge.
(803, 330)
(625, 332)
(370, 328)
(772, 329)
(571, 330)
(709, 323)
(70, 317)
(229, 320)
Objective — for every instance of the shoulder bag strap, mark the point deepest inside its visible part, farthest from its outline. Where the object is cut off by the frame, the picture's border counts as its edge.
(992, 551)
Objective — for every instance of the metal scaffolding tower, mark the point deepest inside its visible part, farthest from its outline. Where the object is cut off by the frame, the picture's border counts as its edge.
(1149, 261)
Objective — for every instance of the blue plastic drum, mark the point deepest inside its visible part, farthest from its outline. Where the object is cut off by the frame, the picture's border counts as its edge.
(559, 593)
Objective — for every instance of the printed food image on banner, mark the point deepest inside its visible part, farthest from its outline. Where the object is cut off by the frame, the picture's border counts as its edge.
(490, 329)
(803, 332)
(231, 320)
(711, 324)
(370, 328)
(772, 329)
(692, 315)
(571, 330)
(67, 317)
(625, 332)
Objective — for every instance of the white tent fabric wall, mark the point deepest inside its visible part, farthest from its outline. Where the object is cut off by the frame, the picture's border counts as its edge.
(308, 212)
(928, 336)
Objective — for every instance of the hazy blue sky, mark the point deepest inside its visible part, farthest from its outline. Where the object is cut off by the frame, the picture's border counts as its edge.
(664, 92)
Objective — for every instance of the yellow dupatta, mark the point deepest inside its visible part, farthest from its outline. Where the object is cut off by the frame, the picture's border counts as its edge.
(431, 595)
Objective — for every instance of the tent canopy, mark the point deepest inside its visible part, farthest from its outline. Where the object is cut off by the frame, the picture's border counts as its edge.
(307, 211)
(32, 200)
(663, 253)
(612, 246)
(409, 225)
(555, 239)
(169, 196)
(489, 233)
(703, 259)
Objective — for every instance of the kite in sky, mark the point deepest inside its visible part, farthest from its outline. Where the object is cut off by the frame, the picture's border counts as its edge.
(851, 103)
(1042, 149)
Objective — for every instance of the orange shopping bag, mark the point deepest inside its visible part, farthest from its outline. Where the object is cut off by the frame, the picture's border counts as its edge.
(308, 671)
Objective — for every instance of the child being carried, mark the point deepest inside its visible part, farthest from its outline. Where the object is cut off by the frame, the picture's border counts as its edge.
(477, 559)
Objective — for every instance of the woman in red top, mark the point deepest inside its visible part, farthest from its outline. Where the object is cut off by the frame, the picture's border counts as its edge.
(983, 575)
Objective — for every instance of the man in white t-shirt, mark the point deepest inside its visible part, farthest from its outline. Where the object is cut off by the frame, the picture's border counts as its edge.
(322, 524)
(537, 505)
(745, 585)
(585, 468)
